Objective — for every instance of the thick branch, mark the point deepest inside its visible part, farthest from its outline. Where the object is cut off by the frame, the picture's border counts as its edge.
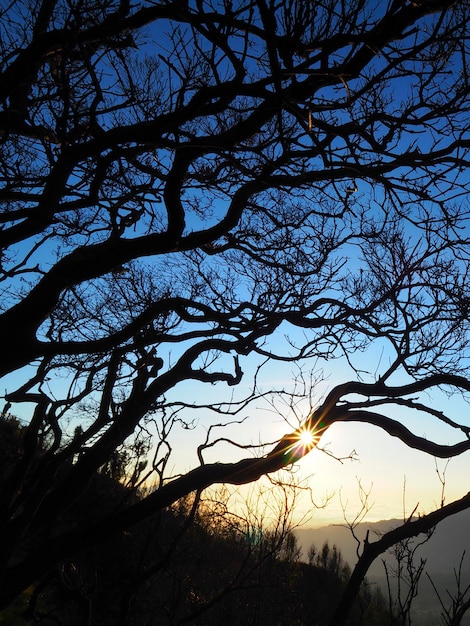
(373, 550)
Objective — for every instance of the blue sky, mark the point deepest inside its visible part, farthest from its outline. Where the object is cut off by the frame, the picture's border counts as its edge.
(383, 464)
(398, 479)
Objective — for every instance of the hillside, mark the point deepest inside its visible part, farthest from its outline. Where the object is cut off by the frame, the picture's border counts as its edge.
(442, 553)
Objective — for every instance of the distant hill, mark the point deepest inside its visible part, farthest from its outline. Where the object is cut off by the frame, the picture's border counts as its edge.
(442, 553)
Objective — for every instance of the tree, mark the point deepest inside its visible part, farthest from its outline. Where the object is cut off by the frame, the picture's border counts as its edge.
(183, 183)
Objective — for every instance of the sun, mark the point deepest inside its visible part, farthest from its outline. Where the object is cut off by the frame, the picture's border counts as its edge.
(305, 441)
(300, 442)
(306, 438)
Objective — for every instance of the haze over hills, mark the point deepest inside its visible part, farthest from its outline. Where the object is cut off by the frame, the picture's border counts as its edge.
(443, 553)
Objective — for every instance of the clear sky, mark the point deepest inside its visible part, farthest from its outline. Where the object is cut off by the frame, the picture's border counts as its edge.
(397, 478)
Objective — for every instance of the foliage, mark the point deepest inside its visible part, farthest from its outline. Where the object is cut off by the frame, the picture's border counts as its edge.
(192, 564)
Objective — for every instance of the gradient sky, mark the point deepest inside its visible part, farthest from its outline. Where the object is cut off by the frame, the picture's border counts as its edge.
(397, 478)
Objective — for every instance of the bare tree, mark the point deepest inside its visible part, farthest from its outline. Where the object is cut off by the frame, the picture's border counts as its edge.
(453, 612)
(184, 182)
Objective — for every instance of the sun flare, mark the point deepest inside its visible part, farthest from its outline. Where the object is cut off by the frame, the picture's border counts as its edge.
(301, 441)
(306, 438)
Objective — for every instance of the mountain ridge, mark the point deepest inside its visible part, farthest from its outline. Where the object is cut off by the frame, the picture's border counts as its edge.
(445, 552)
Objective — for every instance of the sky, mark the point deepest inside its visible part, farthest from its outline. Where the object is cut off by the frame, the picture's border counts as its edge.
(396, 478)
(352, 459)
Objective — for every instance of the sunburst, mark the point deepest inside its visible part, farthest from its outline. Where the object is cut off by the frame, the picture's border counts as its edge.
(302, 442)
(307, 438)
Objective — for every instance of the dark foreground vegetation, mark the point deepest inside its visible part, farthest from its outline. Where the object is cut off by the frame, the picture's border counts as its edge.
(195, 563)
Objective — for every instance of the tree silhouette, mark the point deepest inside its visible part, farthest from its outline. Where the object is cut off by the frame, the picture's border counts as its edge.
(185, 182)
